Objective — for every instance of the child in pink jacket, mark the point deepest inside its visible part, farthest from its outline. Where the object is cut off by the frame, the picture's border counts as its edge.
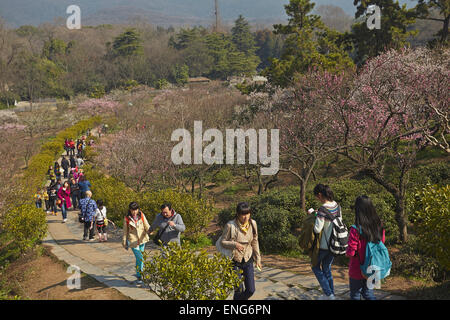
(368, 229)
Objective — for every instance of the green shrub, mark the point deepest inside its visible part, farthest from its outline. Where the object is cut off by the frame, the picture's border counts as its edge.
(274, 229)
(225, 215)
(179, 273)
(128, 84)
(223, 176)
(96, 91)
(345, 193)
(412, 261)
(287, 199)
(26, 224)
(161, 84)
(433, 173)
(431, 217)
(196, 213)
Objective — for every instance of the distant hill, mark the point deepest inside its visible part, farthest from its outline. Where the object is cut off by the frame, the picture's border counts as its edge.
(158, 12)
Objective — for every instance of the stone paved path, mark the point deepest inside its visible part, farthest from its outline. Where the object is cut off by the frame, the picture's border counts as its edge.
(110, 264)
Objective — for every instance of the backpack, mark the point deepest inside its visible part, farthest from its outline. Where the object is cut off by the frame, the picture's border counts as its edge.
(376, 259)
(229, 252)
(337, 243)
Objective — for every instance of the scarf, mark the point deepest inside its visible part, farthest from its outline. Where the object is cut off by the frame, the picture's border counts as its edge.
(244, 227)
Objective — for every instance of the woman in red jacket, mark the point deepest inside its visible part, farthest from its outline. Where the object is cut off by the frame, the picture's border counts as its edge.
(64, 196)
(369, 228)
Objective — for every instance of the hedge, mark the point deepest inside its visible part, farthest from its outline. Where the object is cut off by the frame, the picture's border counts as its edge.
(34, 176)
(196, 213)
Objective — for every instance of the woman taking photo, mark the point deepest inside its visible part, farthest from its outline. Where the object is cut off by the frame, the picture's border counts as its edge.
(323, 224)
(135, 235)
(241, 236)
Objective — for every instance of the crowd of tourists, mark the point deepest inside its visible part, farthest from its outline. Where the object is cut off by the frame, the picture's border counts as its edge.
(70, 189)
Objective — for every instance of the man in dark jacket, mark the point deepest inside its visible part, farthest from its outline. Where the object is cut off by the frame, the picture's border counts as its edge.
(73, 163)
(65, 165)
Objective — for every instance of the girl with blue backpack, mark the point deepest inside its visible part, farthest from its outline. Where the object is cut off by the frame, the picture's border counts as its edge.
(369, 259)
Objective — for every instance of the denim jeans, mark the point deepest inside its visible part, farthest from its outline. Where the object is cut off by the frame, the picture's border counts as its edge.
(76, 200)
(139, 258)
(323, 271)
(249, 280)
(358, 288)
(64, 210)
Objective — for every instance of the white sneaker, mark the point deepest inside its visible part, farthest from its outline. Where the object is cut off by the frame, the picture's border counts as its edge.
(332, 297)
(64, 220)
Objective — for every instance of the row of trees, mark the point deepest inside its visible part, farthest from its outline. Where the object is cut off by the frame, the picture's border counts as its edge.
(51, 61)
(378, 119)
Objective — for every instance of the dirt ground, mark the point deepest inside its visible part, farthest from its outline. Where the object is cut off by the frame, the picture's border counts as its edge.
(43, 277)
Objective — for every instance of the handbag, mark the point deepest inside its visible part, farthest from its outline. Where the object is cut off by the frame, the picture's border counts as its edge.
(226, 252)
(229, 252)
(160, 232)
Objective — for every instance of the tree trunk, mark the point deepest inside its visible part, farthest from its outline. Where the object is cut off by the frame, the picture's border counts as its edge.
(200, 182)
(303, 195)
(400, 217)
(445, 30)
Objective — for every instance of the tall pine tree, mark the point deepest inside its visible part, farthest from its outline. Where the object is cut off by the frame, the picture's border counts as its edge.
(309, 44)
(394, 31)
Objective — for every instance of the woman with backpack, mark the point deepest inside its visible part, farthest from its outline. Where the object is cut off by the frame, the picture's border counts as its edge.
(241, 236)
(368, 228)
(135, 235)
(100, 218)
(323, 224)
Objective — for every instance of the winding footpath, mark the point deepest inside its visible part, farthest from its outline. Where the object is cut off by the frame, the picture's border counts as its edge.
(109, 263)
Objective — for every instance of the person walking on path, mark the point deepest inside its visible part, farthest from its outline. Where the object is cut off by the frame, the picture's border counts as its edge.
(79, 161)
(73, 162)
(323, 223)
(170, 225)
(241, 236)
(135, 235)
(51, 175)
(45, 197)
(64, 197)
(67, 147)
(65, 165)
(88, 209)
(75, 193)
(52, 196)
(100, 218)
(369, 228)
(72, 147)
(57, 170)
(84, 185)
(38, 199)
